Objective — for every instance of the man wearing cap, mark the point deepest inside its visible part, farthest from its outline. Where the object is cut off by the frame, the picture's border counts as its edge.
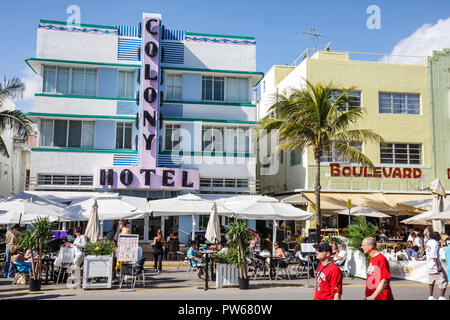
(378, 275)
(329, 276)
(10, 238)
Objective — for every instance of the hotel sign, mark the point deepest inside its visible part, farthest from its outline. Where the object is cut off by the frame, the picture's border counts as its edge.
(147, 174)
(377, 172)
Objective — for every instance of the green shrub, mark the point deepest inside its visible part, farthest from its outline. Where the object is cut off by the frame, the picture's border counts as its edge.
(103, 247)
(358, 230)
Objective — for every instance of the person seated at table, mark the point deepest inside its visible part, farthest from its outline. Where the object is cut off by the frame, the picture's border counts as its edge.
(255, 236)
(222, 248)
(279, 252)
(20, 260)
(417, 241)
(339, 259)
(195, 262)
(381, 236)
(415, 254)
(334, 250)
(409, 248)
(70, 236)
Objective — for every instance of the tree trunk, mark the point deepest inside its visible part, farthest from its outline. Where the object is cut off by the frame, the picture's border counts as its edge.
(317, 193)
(244, 262)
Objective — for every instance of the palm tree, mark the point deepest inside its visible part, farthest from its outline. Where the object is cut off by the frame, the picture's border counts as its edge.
(13, 119)
(316, 117)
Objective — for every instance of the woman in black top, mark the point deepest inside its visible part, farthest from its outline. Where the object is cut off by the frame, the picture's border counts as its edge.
(158, 243)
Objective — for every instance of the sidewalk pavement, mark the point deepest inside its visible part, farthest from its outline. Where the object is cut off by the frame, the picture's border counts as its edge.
(170, 278)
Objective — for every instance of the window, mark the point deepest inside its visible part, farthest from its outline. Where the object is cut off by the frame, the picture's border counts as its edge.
(172, 137)
(353, 96)
(333, 155)
(237, 90)
(64, 80)
(73, 180)
(401, 153)
(399, 103)
(212, 139)
(174, 87)
(236, 139)
(67, 133)
(125, 86)
(212, 88)
(296, 157)
(123, 135)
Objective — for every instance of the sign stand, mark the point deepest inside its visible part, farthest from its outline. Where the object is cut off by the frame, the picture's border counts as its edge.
(127, 252)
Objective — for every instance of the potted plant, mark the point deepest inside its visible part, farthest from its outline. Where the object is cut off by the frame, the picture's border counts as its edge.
(36, 240)
(239, 236)
(226, 268)
(98, 263)
(357, 232)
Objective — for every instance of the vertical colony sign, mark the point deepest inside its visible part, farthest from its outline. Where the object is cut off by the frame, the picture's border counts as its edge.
(147, 175)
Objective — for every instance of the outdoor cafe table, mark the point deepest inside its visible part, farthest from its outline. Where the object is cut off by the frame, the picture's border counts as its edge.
(207, 253)
(49, 264)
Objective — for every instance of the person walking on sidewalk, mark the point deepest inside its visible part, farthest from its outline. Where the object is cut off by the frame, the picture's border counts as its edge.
(436, 273)
(10, 238)
(329, 276)
(157, 246)
(378, 275)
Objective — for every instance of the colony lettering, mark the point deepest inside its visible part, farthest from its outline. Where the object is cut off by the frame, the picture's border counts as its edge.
(376, 172)
(148, 174)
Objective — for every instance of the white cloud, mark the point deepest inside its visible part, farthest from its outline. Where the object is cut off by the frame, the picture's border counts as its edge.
(32, 85)
(32, 82)
(422, 42)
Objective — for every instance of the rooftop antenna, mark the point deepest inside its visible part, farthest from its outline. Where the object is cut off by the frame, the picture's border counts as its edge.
(315, 34)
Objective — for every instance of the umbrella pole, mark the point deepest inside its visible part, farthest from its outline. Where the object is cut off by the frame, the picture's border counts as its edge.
(193, 228)
(20, 218)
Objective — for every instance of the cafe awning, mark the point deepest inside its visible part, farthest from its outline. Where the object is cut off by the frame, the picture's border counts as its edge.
(331, 201)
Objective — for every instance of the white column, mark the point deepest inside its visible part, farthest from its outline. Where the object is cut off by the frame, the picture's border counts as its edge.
(146, 222)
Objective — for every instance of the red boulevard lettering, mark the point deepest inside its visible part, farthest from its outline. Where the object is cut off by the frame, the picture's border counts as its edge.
(376, 172)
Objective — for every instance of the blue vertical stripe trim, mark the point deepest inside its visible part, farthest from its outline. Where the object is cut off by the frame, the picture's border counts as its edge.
(128, 31)
(173, 34)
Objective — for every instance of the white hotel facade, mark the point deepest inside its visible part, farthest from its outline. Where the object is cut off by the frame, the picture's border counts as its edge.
(90, 112)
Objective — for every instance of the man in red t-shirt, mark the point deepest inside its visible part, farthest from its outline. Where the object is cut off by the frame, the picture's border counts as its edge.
(328, 277)
(378, 276)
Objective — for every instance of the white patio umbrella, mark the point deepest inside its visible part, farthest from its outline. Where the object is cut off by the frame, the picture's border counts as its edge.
(93, 226)
(109, 208)
(438, 193)
(422, 218)
(213, 229)
(265, 208)
(186, 205)
(364, 211)
(26, 208)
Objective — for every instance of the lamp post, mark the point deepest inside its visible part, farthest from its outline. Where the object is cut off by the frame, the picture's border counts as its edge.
(349, 206)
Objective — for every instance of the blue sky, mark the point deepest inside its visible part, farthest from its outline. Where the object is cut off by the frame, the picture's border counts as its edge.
(278, 26)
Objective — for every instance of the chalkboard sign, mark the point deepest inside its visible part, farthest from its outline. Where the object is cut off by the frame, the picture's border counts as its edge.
(128, 247)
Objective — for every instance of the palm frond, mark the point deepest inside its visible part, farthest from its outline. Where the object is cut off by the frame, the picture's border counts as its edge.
(360, 135)
(353, 155)
(11, 88)
(15, 120)
(3, 149)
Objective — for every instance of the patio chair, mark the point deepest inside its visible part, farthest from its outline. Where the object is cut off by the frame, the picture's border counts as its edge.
(133, 272)
(344, 268)
(19, 270)
(173, 247)
(282, 265)
(66, 257)
(257, 266)
(181, 257)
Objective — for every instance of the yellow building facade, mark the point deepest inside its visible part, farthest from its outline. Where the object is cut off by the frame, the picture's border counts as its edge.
(395, 99)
